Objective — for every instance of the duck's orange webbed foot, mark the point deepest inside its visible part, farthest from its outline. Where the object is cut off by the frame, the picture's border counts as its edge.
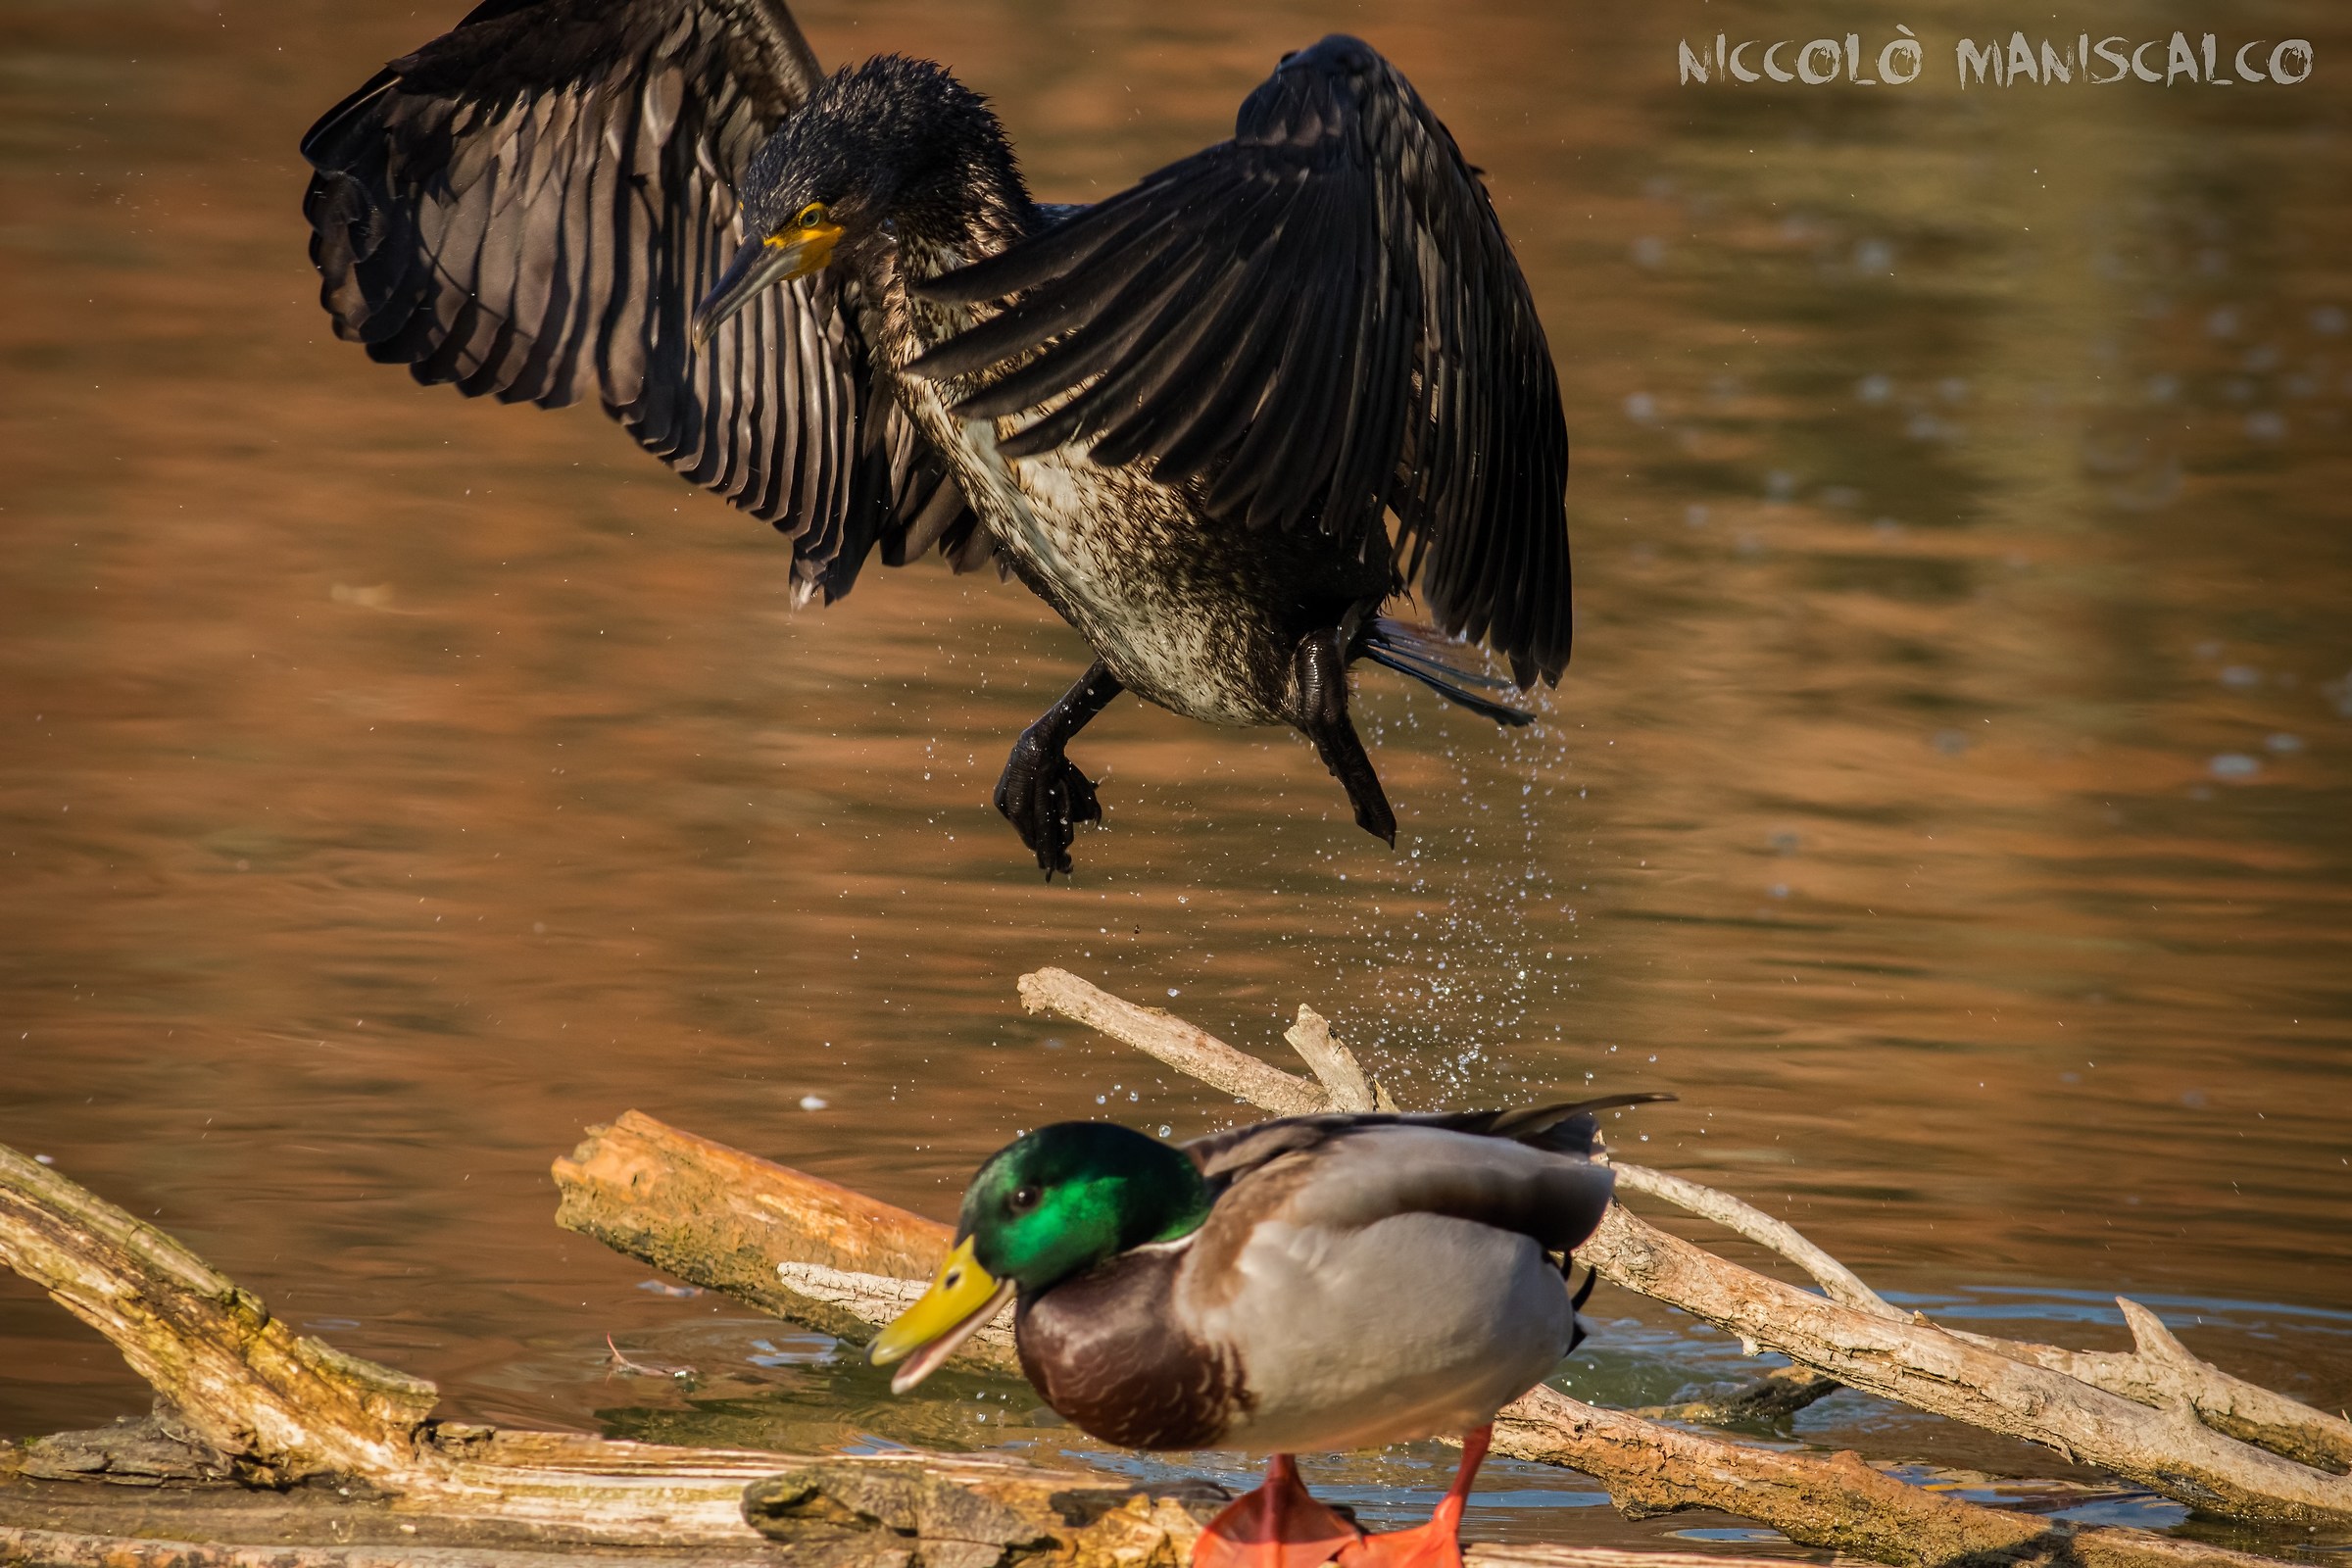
(1279, 1524)
(1436, 1544)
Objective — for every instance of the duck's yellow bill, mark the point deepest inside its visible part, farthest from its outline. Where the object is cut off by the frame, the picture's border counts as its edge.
(962, 1297)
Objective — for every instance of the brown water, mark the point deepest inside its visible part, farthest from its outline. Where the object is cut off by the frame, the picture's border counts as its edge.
(1947, 799)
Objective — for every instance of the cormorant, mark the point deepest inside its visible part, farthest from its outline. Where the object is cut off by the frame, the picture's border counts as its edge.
(1181, 416)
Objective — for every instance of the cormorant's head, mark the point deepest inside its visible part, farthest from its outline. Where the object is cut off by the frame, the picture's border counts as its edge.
(1058, 1202)
(894, 148)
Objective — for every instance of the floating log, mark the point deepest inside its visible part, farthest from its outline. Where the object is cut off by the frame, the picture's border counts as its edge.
(271, 1449)
(709, 1213)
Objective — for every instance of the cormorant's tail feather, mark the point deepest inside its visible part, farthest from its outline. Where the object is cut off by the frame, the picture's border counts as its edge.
(1413, 651)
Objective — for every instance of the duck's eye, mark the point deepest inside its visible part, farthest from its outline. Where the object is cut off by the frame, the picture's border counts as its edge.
(812, 214)
(1023, 1200)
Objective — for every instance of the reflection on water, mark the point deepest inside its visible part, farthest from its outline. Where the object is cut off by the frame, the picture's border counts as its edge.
(1946, 800)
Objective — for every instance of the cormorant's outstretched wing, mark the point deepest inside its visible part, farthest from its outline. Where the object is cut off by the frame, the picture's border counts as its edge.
(1313, 321)
(532, 204)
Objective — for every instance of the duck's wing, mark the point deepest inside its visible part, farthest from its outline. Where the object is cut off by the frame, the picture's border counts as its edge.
(1310, 322)
(1566, 1126)
(531, 206)
(1371, 1173)
(1527, 1170)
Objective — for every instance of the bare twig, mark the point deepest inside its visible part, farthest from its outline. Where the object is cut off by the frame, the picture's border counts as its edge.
(1333, 1063)
(1773, 1398)
(1190, 1050)
(1842, 1283)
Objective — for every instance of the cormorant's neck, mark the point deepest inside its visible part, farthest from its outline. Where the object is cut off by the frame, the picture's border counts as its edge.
(966, 199)
(943, 186)
(985, 208)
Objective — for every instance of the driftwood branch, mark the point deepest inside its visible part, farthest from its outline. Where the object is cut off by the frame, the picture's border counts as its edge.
(1924, 1366)
(1837, 1502)
(1784, 1391)
(276, 1404)
(2161, 1371)
(1857, 1339)
(1191, 1051)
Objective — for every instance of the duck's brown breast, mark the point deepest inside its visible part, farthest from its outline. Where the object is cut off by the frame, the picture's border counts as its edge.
(1107, 1352)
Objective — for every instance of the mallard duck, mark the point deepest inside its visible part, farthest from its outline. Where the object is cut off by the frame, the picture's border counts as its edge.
(1313, 1283)
(1183, 415)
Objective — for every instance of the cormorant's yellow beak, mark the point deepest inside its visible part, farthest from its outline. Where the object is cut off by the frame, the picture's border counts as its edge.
(762, 263)
(962, 1297)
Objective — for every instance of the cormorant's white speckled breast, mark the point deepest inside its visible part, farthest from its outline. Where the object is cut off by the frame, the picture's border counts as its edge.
(1199, 617)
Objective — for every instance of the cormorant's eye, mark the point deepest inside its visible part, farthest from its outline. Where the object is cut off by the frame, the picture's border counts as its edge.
(1023, 1200)
(812, 214)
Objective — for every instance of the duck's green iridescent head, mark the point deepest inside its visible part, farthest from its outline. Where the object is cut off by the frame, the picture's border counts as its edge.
(1068, 1196)
(1051, 1206)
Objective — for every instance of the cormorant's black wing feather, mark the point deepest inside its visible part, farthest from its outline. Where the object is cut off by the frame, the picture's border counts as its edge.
(531, 206)
(1314, 321)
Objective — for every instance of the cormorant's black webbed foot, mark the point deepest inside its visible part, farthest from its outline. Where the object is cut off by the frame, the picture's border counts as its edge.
(1041, 792)
(1322, 716)
(1045, 798)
